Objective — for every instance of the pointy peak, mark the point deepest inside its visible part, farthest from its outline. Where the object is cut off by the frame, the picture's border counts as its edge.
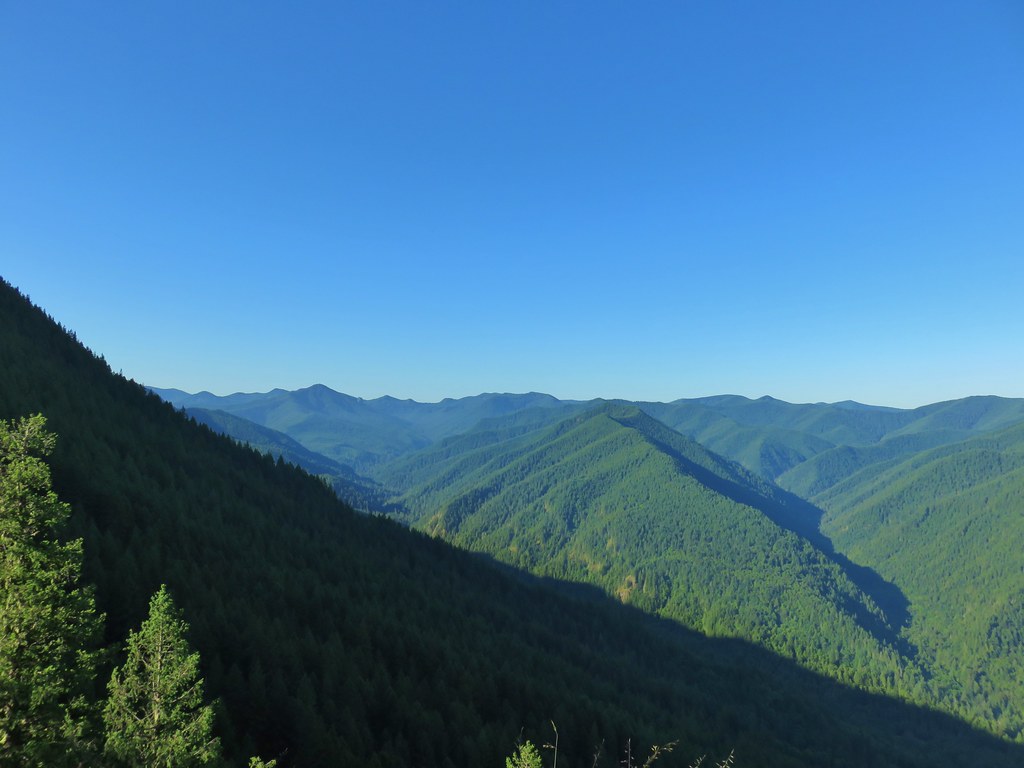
(319, 389)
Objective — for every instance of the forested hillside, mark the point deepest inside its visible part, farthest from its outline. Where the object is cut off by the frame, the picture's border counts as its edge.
(847, 456)
(613, 498)
(809, 447)
(934, 425)
(362, 493)
(946, 526)
(590, 501)
(334, 638)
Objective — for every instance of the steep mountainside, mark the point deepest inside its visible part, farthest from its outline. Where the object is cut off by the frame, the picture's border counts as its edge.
(361, 492)
(767, 450)
(946, 525)
(337, 639)
(613, 498)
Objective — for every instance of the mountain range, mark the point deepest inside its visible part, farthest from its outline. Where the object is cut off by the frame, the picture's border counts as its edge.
(621, 571)
(810, 529)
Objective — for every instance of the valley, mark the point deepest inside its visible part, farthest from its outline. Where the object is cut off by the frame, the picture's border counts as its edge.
(581, 563)
(812, 530)
(537, 385)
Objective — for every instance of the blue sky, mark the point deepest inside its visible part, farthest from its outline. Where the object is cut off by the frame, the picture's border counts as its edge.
(817, 201)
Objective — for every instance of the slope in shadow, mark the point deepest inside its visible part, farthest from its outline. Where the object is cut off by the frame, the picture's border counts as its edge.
(803, 518)
(921, 733)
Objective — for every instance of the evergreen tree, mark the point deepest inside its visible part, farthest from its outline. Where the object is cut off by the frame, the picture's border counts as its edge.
(48, 621)
(155, 715)
(525, 756)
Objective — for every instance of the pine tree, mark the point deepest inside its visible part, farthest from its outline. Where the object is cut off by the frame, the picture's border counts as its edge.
(48, 623)
(525, 756)
(155, 715)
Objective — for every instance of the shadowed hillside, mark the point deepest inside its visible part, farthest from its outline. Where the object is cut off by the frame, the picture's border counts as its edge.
(946, 526)
(362, 493)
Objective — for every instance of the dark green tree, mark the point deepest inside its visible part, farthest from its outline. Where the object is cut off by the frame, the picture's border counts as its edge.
(155, 715)
(48, 622)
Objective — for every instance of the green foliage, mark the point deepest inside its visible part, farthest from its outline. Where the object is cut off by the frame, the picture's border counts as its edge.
(914, 488)
(360, 492)
(613, 498)
(807, 447)
(332, 638)
(155, 715)
(958, 506)
(525, 756)
(767, 449)
(955, 642)
(48, 622)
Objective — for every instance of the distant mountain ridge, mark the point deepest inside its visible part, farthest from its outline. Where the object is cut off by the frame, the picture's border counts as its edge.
(359, 432)
(768, 436)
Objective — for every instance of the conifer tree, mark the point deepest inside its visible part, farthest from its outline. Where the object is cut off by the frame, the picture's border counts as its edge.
(155, 715)
(525, 756)
(48, 622)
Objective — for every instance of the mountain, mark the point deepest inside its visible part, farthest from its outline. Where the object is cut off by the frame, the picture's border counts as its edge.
(766, 449)
(808, 447)
(804, 447)
(586, 501)
(832, 454)
(338, 426)
(358, 432)
(772, 437)
(946, 526)
(835, 423)
(613, 498)
(362, 493)
(931, 426)
(332, 638)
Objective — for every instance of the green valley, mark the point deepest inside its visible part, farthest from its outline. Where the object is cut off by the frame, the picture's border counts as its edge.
(331, 637)
(946, 526)
(837, 571)
(614, 498)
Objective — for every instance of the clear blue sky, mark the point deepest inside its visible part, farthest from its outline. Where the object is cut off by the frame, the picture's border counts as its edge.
(813, 200)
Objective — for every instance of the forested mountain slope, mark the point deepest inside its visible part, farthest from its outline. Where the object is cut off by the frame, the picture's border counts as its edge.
(836, 423)
(837, 453)
(361, 492)
(336, 639)
(613, 498)
(807, 448)
(935, 425)
(946, 525)
(762, 448)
